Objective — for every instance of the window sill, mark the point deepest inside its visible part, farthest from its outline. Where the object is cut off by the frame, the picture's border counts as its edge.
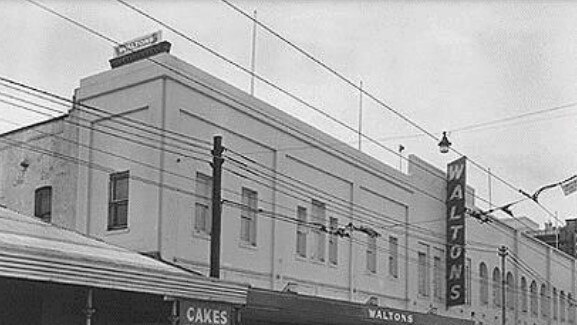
(317, 261)
(370, 273)
(424, 297)
(201, 235)
(247, 245)
(301, 258)
(117, 231)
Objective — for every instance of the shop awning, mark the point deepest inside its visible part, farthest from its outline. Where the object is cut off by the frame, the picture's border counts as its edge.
(285, 308)
(34, 250)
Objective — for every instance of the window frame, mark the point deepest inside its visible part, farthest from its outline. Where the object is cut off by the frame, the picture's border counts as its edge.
(114, 222)
(371, 254)
(394, 256)
(248, 216)
(333, 241)
(301, 232)
(423, 270)
(39, 194)
(203, 202)
(319, 249)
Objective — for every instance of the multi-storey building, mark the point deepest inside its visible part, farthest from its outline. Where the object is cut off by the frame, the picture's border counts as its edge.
(563, 238)
(130, 164)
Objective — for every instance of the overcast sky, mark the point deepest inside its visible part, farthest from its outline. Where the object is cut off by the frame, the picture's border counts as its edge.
(445, 65)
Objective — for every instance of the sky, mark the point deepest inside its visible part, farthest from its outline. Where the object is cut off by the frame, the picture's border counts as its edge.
(444, 65)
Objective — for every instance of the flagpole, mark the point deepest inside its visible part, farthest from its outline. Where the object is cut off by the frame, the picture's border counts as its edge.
(360, 114)
(253, 55)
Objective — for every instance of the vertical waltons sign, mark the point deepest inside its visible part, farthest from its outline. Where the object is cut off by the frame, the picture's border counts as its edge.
(456, 186)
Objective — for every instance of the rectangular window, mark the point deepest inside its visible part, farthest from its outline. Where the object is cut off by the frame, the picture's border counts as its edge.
(301, 231)
(468, 282)
(43, 203)
(248, 216)
(118, 201)
(423, 270)
(203, 205)
(318, 217)
(438, 275)
(372, 254)
(393, 256)
(333, 241)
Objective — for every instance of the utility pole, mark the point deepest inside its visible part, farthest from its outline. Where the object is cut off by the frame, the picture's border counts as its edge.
(503, 253)
(217, 162)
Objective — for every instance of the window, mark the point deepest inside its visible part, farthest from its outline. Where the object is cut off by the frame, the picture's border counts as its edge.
(118, 201)
(562, 306)
(248, 216)
(555, 303)
(203, 206)
(496, 287)
(423, 270)
(468, 282)
(544, 302)
(571, 306)
(523, 294)
(393, 256)
(510, 285)
(301, 232)
(484, 292)
(372, 254)
(534, 300)
(43, 203)
(333, 242)
(318, 217)
(438, 276)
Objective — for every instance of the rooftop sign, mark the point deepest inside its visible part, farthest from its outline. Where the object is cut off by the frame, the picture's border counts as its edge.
(137, 44)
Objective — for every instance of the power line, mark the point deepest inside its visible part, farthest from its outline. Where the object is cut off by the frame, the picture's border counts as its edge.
(224, 58)
(120, 156)
(138, 178)
(380, 102)
(96, 33)
(145, 144)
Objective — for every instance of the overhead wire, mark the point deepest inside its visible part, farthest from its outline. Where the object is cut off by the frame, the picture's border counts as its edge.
(72, 21)
(134, 177)
(298, 99)
(369, 95)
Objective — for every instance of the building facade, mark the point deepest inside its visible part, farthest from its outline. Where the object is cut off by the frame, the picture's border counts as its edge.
(301, 211)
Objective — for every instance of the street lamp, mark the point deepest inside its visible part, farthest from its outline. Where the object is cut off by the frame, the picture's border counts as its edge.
(444, 144)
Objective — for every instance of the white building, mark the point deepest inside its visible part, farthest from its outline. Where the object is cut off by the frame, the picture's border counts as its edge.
(136, 152)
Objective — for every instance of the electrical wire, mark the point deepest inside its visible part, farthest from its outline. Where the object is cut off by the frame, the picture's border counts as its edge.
(369, 95)
(72, 21)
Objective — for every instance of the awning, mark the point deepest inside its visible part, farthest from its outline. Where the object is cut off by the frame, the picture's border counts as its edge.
(34, 250)
(266, 307)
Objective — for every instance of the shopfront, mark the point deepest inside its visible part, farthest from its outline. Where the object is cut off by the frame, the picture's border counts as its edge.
(49, 275)
(270, 307)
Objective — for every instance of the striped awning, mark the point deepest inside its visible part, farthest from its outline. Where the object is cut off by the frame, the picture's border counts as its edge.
(34, 250)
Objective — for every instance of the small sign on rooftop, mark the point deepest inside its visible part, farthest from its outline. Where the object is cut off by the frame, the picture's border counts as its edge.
(138, 49)
(137, 44)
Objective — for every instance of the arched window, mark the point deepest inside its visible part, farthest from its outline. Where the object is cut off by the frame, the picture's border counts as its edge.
(534, 299)
(496, 287)
(510, 291)
(523, 294)
(571, 308)
(484, 292)
(555, 304)
(562, 306)
(544, 301)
